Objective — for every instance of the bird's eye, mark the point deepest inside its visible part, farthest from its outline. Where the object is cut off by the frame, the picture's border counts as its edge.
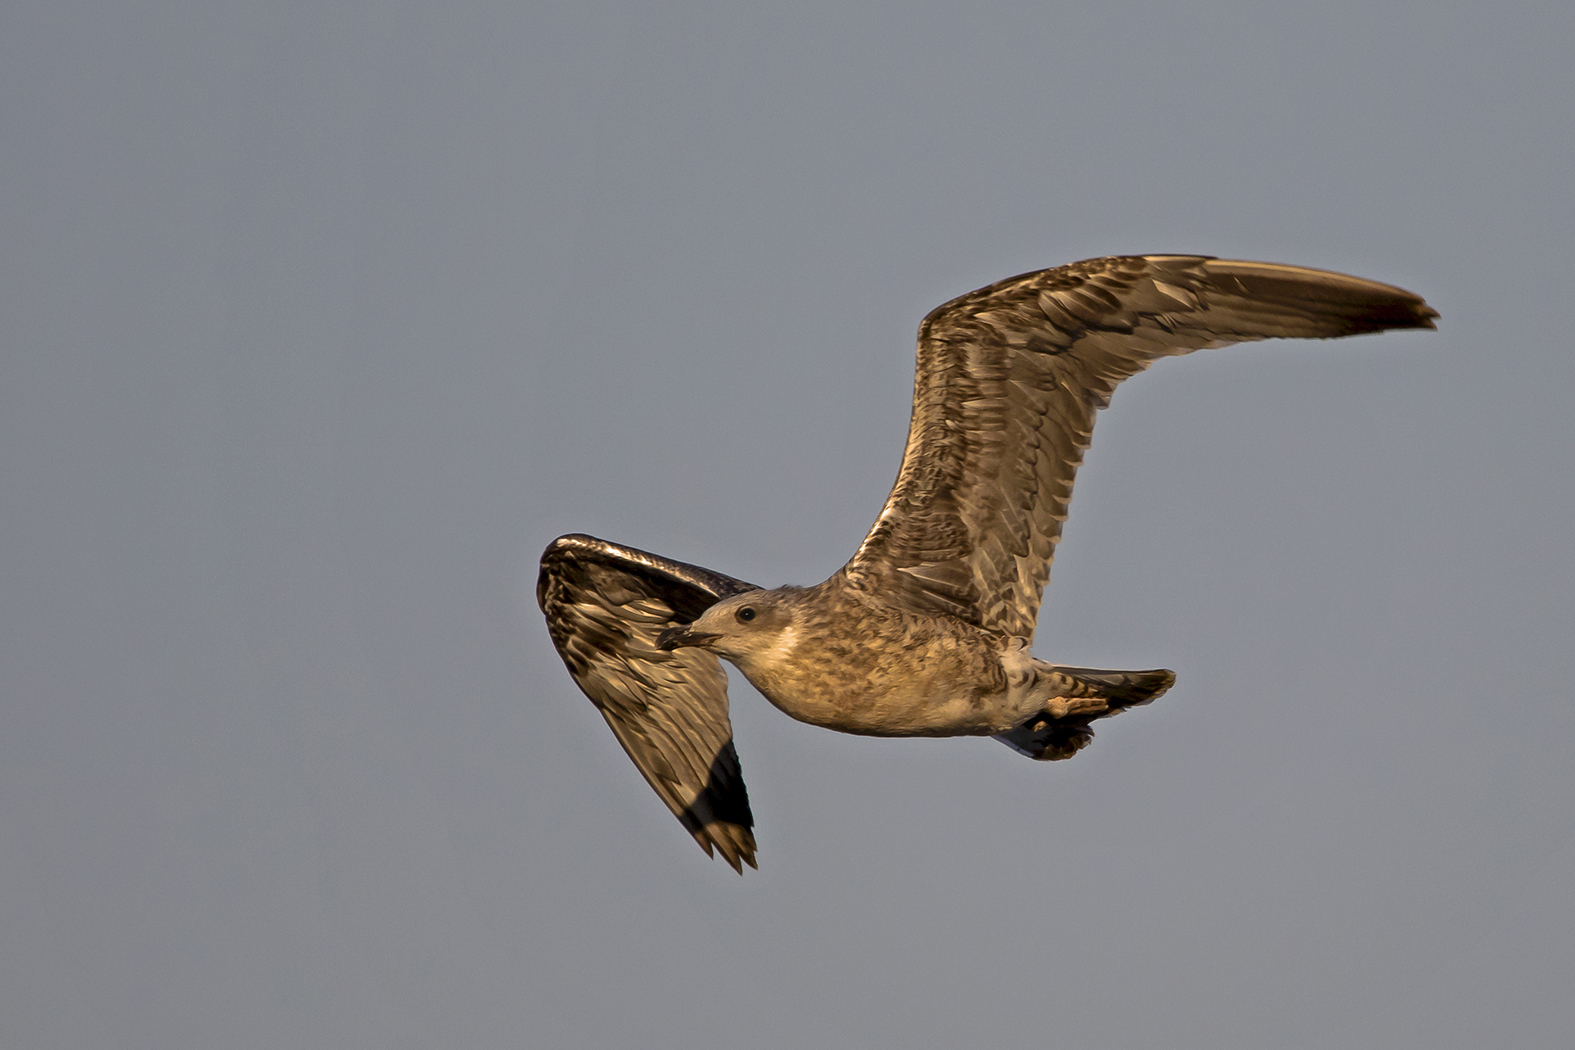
(746, 614)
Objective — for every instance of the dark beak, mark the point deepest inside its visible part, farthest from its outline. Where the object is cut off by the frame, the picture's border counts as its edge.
(674, 637)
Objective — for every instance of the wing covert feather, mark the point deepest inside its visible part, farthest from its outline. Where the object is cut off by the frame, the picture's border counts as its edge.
(605, 605)
(1009, 379)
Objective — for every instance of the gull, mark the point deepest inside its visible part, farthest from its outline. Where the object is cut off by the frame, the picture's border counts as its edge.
(926, 630)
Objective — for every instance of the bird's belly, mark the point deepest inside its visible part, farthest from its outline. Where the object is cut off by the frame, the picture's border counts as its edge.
(882, 703)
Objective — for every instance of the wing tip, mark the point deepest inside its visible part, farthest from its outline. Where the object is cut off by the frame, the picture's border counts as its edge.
(1405, 310)
(1346, 304)
(736, 843)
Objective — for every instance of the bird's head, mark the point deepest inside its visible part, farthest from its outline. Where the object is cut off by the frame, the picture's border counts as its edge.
(744, 628)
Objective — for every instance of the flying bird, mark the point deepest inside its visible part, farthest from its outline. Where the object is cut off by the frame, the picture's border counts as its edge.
(926, 631)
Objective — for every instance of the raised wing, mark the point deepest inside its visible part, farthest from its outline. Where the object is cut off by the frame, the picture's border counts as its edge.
(1009, 378)
(605, 604)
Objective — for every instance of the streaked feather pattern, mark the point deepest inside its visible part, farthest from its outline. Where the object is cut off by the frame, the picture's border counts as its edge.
(1009, 379)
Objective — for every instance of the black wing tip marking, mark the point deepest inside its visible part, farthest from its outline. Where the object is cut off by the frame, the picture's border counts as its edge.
(720, 815)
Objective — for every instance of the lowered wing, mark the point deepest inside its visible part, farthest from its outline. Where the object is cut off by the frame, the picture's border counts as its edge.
(605, 604)
(1009, 378)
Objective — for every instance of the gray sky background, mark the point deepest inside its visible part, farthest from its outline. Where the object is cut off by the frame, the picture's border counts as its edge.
(321, 320)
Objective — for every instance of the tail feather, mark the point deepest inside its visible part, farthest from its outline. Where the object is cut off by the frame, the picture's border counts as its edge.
(1076, 697)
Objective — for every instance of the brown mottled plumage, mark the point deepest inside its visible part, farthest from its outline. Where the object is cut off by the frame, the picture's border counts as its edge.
(925, 632)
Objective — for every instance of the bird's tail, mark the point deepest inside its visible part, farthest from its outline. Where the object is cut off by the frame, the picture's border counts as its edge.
(1074, 698)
